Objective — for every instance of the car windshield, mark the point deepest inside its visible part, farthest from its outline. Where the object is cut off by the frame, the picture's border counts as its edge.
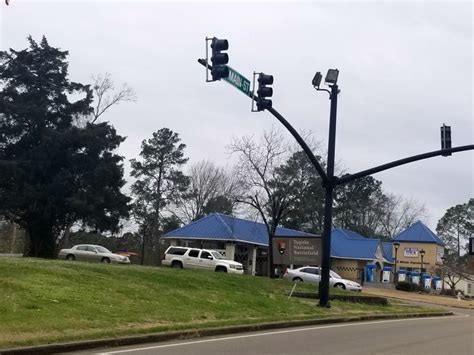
(334, 275)
(217, 255)
(103, 250)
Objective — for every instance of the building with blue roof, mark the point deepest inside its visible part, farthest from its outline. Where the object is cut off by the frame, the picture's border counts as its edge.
(247, 242)
(351, 254)
(354, 255)
(238, 239)
(414, 241)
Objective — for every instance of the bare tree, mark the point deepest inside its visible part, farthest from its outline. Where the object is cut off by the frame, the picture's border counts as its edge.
(208, 183)
(106, 96)
(256, 170)
(454, 274)
(398, 214)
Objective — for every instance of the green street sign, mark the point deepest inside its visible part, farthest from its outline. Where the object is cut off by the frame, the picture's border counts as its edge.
(239, 81)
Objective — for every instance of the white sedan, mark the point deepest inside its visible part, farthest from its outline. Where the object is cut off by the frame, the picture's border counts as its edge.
(313, 274)
(89, 252)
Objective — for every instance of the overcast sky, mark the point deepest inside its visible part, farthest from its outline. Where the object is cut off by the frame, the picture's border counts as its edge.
(405, 69)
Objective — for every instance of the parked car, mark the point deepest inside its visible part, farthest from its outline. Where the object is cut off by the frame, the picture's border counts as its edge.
(88, 252)
(313, 274)
(200, 259)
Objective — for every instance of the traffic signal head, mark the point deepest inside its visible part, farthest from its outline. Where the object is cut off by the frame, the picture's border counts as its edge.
(219, 59)
(446, 138)
(264, 91)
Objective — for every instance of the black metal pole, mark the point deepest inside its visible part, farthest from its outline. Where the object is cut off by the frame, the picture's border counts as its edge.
(395, 268)
(443, 259)
(328, 204)
(393, 164)
(301, 142)
(421, 272)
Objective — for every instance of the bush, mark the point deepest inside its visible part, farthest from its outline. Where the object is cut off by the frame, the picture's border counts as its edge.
(408, 287)
(448, 292)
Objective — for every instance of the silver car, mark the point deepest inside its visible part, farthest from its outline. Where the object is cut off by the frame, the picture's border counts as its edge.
(89, 252)
(313, 274)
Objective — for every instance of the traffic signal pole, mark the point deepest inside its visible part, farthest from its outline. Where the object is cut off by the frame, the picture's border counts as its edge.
(293, 132)
(302, 144)
(393, 164)
(330, 182)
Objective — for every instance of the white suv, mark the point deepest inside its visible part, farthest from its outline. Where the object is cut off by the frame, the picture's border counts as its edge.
(201, 259)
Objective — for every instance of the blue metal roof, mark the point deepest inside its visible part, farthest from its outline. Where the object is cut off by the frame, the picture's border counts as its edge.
(349, 234)
(387, 251)
(350, 245)
(418, 233)
(217, 226)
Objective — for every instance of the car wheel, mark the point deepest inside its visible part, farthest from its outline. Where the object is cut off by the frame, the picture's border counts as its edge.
(71, 257)
(105, 260)
(221, 269)
(341, 286)
(176, 265)
(298, 279)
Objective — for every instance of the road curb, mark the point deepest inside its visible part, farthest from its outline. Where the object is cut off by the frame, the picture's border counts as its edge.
(198, 333)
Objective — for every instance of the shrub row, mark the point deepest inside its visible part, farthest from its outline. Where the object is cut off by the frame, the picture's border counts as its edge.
(409, 287)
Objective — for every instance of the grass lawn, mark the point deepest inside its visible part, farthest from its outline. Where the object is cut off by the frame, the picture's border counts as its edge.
(44, 301)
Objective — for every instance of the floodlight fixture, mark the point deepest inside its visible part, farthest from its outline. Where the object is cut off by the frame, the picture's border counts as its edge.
(331, 76)
(317, 79)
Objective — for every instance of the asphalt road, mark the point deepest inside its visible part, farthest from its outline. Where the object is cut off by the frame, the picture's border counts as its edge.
(440, 335)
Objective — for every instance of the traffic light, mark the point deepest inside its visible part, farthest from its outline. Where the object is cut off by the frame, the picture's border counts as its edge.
(219, 59)
(445, 138)
(264, 91)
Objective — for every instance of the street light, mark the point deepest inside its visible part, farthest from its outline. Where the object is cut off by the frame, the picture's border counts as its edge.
(396, 245)
(422, 254)
(330, 185)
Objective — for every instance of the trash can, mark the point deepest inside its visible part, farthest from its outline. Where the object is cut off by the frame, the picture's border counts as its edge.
(426, 281)
(387, 271)
(402, 276)
(370, 273)
(436, 283)
(415, 278)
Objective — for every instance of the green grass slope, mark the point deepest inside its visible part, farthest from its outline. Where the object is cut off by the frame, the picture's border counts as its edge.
(45, 301)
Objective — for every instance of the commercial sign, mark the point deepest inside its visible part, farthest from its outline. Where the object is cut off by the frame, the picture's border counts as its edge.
(410, 252)
(296, 251)
(238, 80)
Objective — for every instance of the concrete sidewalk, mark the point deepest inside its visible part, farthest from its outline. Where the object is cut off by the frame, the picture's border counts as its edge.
(449, 301)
